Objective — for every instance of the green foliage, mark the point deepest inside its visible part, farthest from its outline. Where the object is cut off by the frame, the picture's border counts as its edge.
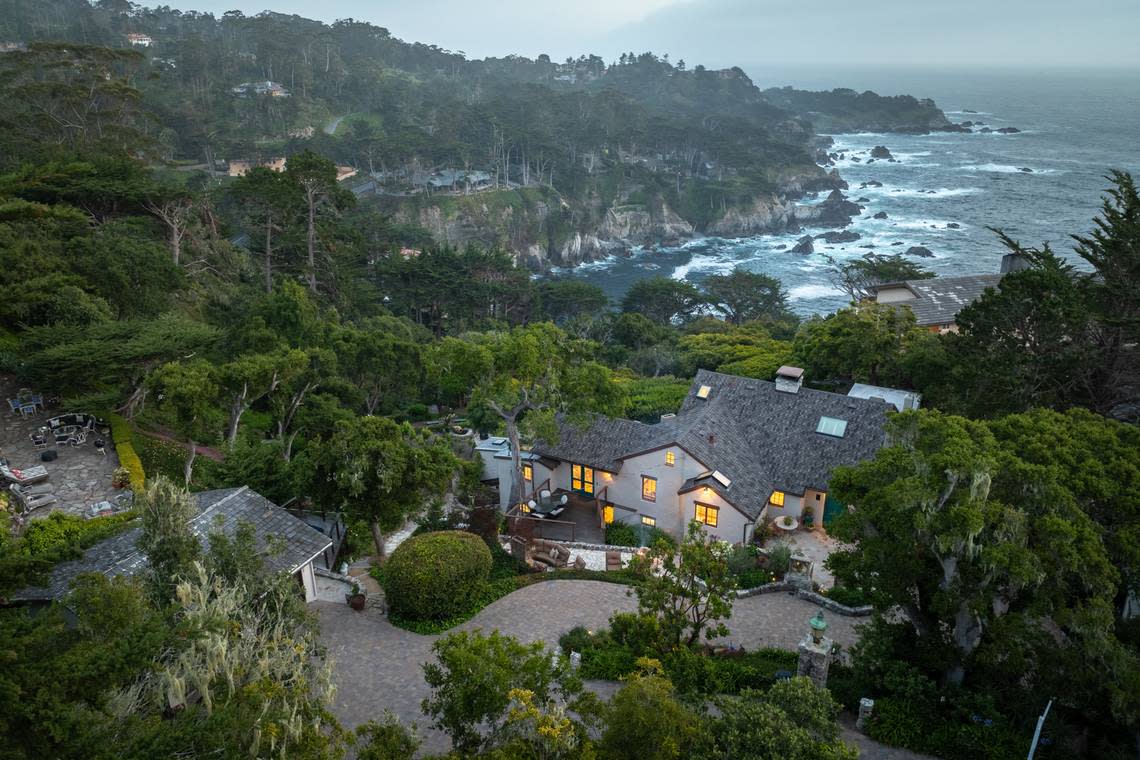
(386, 739)
(58, 537)
(662, 300)
(870, 344)
(858, 277)
(747, 350)
(645, 720)
(622, 534)
(792, 719)
(123, 438)
(472, 679)
(779, 558)
(171, 547)
(744, 296)
(433, 577)
(650, 397)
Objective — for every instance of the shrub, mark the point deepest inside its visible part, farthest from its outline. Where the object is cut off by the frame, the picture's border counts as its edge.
(757, 576)
(638, 632)
(897, 723)
(122, 438)
(577, 639)
(437, 575)
(849, 597)
(418, 412)
(504, 564)
(779, 558)
(608, 663)
(658, 536)
(742, 559)
(622, 534)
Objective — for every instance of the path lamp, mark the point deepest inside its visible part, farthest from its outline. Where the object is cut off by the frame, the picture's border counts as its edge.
(818, 627)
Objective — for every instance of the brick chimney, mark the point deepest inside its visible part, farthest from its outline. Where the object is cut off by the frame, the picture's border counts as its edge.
(789, 379)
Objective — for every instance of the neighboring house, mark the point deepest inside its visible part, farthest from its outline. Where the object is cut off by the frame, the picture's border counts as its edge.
(496, 455)
(13, 47)
(345, 172)
(273, 89)
(139, 40)
(239, 167)
(738, 452)
(286, 543)
(899, 399)
(936, 301)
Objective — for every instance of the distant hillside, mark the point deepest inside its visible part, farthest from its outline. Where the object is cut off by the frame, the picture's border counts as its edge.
(566, 161)
(844, 110)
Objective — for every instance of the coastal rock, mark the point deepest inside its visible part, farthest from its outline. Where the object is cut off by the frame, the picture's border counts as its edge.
(764, 214)
(897, 242)
(880, 151)
(986, 130)
(880, 215)
(953, 226)
(1007, 131)
(920, 251)
(870, 183)
(952, 128)
(839, 236)
(863, 200)
(804, 245)
(1025, 169)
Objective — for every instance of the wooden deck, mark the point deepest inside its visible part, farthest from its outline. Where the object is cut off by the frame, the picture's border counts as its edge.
(579, 522)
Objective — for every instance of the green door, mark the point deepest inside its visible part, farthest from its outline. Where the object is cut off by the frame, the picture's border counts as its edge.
(831, 510)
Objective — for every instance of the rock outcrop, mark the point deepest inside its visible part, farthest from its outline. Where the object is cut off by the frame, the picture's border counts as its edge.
(804, 245)
(839, 236)
(881, 151)
(920, 251)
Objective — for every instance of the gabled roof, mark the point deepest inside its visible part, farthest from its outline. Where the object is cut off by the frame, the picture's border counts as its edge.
(760, 438)
(938, 300)
(285, 542)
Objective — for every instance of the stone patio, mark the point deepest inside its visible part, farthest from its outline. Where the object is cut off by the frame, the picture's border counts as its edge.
(816, 545)
(80, 476)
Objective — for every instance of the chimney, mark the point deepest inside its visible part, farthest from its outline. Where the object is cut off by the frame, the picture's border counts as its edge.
(1014, 262)
(789, 379)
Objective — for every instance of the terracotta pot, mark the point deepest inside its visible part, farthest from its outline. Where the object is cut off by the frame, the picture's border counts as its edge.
(355, 601)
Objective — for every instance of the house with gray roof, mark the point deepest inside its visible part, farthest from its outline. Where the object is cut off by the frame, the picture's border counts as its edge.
(936, 301)
(285, 543)
(737, 452)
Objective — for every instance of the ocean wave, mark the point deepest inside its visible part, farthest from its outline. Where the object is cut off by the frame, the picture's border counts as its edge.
(970, 113)
(914, 192)
(1003, 169)
(817, 290)
(705, 264)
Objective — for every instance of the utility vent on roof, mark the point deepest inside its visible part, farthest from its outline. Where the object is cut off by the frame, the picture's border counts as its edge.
(831, 426)
(667, 416)
(719, 477)
(703, 391)
(789, 379)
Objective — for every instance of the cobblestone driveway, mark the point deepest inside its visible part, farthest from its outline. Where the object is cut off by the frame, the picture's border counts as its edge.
(378, 666)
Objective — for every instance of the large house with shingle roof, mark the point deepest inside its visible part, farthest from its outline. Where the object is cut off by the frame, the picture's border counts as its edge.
(738, 451)
(287, 544)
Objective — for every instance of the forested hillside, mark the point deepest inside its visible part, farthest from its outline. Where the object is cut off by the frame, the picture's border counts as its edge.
(570, 160)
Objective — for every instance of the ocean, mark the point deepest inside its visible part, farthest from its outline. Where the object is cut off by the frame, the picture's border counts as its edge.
(947, 189)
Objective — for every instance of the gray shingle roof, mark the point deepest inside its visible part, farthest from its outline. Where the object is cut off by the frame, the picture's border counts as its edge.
(762, 439)
(939, 299)
(220, 511)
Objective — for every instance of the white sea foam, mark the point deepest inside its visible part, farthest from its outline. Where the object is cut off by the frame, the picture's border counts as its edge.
(1003, 169)
(819, 290)
(704, 263)
(912, 192)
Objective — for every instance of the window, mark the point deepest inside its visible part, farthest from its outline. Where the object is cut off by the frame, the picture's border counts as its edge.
(649, 522)
(582, 479)
(707, 514)
(528, 473)
(648, 488)
(670, 459)
(831, 426)
(608, 513)
(776, 499)
(704, 391)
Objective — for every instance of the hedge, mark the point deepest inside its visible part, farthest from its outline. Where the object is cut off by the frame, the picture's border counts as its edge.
(435, 576)
(128, 458)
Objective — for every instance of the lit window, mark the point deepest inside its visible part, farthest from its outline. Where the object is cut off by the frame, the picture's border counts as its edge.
(831, 426)
(608, 513)
(582, 479)
(648, 488)
(707, 514)
(703, 391)
(649, 522)
(670, 459)
(528, 473)
(776, 499)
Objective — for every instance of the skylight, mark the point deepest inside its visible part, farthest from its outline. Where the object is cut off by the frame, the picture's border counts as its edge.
(704, 391)
(831, 426)
(719, 477)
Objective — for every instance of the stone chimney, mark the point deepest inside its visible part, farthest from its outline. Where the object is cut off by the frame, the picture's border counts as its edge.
(1014, 262)
(789, 379)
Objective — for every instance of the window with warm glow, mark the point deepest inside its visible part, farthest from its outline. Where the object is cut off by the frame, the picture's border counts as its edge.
(776, 499)
(582, 479)
(649, 522)
(528, 473)
(707, 514)
(608, 513)
(648, 488)
(670, 459)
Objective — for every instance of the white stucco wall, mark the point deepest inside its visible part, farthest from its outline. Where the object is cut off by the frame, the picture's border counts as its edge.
(308, 581)
(732, 525)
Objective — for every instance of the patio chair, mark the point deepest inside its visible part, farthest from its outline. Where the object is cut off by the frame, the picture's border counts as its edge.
(24, 476)
(39, 442)
(14, 405)
(545, 494)
(38, 400)
(28, 410)
(555, 512)
(31, 500)
(564, 500)
(41, 488)
(79, 438)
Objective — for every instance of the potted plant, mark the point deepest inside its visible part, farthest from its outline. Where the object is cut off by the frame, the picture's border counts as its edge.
(356, 599)
(808, 517)
(121, 477)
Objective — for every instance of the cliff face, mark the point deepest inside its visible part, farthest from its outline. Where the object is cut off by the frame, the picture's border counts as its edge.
(544, 230)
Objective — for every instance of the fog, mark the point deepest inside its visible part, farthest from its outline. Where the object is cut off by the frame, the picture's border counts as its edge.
(749, 33)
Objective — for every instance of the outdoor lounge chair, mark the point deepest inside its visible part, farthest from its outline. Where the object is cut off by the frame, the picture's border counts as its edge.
(30, 500)
(613, 561)
(14, 405)
(550, 553)
(40, 488)
(555, 512)
(25, 476)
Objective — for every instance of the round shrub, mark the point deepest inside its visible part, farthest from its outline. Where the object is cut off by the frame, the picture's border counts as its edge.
(436, 576)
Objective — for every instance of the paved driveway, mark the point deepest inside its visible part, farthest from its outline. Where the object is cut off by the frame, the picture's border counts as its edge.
(378, 666)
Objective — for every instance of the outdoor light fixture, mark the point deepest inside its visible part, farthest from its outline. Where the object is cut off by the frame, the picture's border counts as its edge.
(818, 627)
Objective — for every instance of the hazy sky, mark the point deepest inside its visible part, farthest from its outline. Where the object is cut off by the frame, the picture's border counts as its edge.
(749, 32)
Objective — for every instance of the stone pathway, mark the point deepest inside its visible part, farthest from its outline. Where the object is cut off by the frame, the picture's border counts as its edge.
(816, 546)
(379, 666)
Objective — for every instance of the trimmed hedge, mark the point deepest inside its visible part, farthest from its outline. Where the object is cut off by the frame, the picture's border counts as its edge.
(121, 436)
(435, 576)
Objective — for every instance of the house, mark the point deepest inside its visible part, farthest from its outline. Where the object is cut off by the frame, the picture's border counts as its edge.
(139, 40)
(287, 544)
(738, 452)
(899, 399)
(345, 172)
(937, 301)
(239, 167)
(273, 89)
(13, 47)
